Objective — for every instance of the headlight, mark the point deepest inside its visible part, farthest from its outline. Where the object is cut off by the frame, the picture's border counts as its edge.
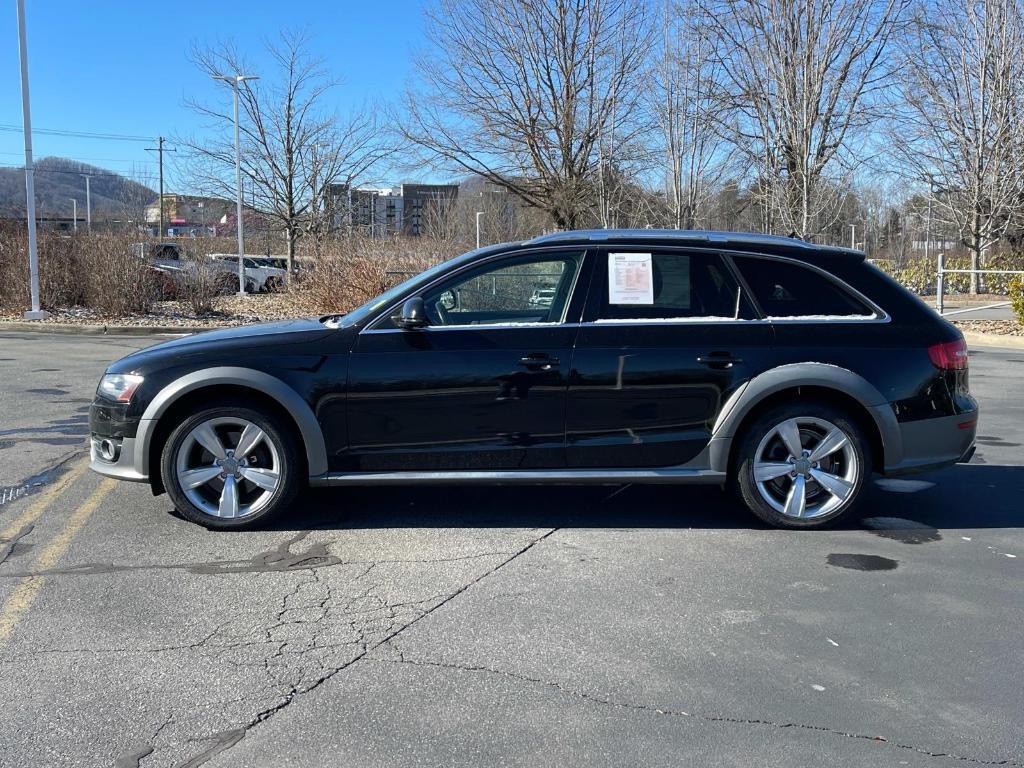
(119, 386)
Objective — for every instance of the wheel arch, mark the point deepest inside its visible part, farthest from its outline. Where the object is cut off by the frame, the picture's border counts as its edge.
(186, 391)
(806, 381)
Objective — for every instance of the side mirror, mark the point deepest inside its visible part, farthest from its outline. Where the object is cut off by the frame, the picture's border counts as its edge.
(414, 315)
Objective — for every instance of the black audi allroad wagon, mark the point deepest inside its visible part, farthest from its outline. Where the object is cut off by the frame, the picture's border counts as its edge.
(786, 371)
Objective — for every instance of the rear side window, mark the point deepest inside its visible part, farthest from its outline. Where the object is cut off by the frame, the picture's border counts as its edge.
(652, 285)
(784, 289)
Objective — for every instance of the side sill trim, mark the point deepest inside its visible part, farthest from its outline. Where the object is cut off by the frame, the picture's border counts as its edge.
(667, 475)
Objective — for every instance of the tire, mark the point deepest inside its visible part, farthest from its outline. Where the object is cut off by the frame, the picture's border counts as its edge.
(829, 475)
(271, 459)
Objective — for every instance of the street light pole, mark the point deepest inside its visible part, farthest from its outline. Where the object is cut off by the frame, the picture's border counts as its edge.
(88, 204)
(74, 214)
(235, 81)
(36, 313)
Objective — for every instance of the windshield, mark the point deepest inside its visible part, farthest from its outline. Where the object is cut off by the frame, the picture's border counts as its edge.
(363, 312)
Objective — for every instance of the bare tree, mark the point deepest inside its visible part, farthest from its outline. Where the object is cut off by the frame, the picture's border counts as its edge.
(803, 78)
(523, 93)
(964, 93)
(293, 146)
(686, 105)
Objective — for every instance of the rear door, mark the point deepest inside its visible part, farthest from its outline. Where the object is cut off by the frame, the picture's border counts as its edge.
(667, 336)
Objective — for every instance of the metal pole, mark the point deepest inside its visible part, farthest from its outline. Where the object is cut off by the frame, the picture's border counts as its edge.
(74, 214)
(478, 215)
(938, 284)
(853, 235)
(238, 197)
(36, 313)
(160, 161)
(88, 205)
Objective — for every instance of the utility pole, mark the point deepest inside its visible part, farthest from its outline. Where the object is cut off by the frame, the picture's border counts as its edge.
(74, 214)
(36, 313)
(159, 149)
(235, 81)
(478, 215)
(88, 203)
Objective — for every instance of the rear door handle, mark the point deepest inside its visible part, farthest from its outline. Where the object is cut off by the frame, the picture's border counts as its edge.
(720, 360)
(539, 362)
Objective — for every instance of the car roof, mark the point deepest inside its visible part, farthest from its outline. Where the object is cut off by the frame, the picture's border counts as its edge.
(751, 241)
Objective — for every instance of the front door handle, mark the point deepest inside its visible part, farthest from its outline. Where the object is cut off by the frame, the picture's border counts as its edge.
(538, 362)
(719, 360)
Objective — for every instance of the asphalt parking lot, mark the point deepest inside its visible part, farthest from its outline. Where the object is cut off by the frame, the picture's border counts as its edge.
(591, 626)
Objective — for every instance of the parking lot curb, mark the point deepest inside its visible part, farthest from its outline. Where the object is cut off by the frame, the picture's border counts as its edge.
(101, 330)
(975, 339)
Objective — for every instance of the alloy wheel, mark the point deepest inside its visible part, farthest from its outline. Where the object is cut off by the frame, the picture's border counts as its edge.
(228, 467)
(806, 467)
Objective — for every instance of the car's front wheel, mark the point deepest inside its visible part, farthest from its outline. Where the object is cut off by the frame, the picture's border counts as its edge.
(228, 466)
(802, 465)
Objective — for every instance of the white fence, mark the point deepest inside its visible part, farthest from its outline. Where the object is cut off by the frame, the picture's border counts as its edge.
(940, 286)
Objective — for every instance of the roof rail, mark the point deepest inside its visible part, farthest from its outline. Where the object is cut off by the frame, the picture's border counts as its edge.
(707, 236)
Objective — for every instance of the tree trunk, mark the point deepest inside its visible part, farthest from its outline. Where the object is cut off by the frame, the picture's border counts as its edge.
(291, 237)
(975, 265)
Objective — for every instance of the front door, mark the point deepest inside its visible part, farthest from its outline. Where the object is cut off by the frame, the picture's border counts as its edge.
(667, 337)
(483, 386)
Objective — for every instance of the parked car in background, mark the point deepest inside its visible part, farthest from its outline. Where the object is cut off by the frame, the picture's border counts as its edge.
(261, 275)
(172, 266)
(785, 371)
(542, 297)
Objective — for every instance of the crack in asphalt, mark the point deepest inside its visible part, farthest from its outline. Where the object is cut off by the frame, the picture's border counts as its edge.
(672, 712)
(299, 663)
(6, 547)
(35, 483)
(295, 690)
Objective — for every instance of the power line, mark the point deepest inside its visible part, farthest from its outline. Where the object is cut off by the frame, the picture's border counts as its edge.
(77, 134)
(87, 160)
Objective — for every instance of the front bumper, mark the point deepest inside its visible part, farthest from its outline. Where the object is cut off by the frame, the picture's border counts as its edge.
(122, 467)
(935, 443)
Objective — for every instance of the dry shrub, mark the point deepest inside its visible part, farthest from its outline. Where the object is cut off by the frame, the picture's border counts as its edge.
(116, 281)
(98, 271)
(349, 272)
(201, 284)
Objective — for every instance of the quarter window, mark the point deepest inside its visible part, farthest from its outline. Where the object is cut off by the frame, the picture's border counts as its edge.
(784, 289)
(668, 286)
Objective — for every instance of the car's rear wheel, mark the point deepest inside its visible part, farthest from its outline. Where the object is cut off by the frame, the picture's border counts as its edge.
(802, 465)
(228, 466)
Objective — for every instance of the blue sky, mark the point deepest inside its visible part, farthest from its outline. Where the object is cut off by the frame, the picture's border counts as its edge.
(121, 67)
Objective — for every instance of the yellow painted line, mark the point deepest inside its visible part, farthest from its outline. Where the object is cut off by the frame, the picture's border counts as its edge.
(37, 507)
(28, 588)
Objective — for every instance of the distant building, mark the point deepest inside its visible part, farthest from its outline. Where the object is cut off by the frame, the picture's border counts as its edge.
(379, 212)
(419, 198)
(188, 215)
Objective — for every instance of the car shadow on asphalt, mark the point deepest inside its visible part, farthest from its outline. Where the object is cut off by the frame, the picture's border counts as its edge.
(964, 496)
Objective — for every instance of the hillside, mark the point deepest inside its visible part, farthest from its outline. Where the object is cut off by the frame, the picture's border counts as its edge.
(57, 180)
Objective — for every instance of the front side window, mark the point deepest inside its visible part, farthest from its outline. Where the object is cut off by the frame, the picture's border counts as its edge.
(652, 285)
(515, 291)
(784, 289)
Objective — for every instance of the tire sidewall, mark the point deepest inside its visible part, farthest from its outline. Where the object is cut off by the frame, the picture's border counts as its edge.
(751, 438)
(275, 431)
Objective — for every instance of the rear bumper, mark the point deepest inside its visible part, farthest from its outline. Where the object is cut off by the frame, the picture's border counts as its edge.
(934, 443)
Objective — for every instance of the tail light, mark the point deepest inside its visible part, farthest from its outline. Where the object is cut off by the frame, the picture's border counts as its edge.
(950, 355)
